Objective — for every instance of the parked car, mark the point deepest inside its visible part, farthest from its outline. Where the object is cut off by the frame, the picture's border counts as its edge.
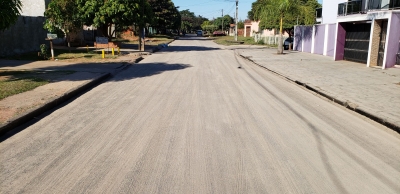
(218, 33)
(199, 32)
(287, 42)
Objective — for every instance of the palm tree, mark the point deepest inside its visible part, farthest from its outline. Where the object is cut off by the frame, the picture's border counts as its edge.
(282, 10)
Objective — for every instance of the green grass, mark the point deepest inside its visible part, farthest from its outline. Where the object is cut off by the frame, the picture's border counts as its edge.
(83, 54)
(63, 54)
(152, 40)
(90, 55)
(229, 40)
(15, 82)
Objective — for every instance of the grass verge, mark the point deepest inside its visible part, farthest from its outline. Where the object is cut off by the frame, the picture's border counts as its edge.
(150, 41)
(63, 54)
(229, 40)
(15, 82)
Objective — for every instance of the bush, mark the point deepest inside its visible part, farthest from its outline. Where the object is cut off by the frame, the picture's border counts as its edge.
(43, 51)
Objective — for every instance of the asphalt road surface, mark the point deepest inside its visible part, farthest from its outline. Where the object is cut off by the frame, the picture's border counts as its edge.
(187, 120)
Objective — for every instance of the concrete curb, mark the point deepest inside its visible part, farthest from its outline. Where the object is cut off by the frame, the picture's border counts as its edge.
(50, 105)
(331, 98)
(160, 46)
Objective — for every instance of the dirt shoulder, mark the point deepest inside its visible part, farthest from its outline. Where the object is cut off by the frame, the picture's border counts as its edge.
(62, 77)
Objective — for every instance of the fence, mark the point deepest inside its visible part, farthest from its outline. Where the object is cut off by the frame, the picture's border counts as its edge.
(270, 40)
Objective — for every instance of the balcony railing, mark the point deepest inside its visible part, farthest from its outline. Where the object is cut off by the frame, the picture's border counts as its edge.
(357, 6)
(383, 4)
(351, 7)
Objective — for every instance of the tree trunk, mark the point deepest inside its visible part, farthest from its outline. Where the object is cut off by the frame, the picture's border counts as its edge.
(68, 41)
(109, 32)
(280, 41)
(141, 38)
(103, 30)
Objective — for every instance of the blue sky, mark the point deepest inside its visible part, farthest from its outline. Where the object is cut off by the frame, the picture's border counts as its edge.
(212, 8)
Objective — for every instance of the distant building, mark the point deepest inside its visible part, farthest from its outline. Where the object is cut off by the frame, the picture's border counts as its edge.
(251, 28)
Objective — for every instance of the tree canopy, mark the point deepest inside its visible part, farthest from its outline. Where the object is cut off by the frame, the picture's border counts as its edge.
(208, 26)
(61, 17)
(227, 20)
(9, 12)
(166, 15)
(190, 21)
(121, 13)
(269, 13)
(283, 14)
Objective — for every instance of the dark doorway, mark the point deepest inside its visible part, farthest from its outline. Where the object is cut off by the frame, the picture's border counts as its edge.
(357, 42)
(248, 29)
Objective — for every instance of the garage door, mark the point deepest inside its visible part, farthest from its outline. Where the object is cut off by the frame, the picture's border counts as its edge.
(357, 42)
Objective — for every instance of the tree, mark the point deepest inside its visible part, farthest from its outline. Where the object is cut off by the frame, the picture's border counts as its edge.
(240, 25)
(9, 13)
(166, 15)
(190, 21)
(120, 13)
(227, 20)
(61, 18)
(197, 21)
(283, 14)
(187, 19)
(208, 26)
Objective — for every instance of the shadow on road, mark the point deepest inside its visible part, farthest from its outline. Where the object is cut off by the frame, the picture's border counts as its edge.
(132, 72)
(187, 48)
(146, 70)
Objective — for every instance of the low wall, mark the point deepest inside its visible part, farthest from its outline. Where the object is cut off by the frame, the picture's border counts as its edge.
(26, 35)
(331, 40)
(319, 39)
(270, 40)
(393, 41)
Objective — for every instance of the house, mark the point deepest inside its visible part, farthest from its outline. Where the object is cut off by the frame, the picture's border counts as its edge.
(27, 34)
(364, 31)
(252, 28)
(368, 31)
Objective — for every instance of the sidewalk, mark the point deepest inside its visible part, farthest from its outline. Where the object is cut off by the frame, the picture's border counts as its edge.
(372, 92)
(20, 108)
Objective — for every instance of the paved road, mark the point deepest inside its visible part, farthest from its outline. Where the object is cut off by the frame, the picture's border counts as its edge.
(187, 120)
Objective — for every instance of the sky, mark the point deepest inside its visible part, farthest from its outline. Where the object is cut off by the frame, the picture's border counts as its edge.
(213, 8)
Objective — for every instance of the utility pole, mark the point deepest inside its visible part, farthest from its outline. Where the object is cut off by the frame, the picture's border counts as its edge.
(236, 21)
(222, 20)
(142, 29)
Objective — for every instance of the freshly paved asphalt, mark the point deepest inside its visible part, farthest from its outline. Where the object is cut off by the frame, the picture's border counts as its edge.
(187, 120)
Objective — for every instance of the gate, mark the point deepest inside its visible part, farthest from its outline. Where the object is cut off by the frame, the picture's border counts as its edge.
(357, 42)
